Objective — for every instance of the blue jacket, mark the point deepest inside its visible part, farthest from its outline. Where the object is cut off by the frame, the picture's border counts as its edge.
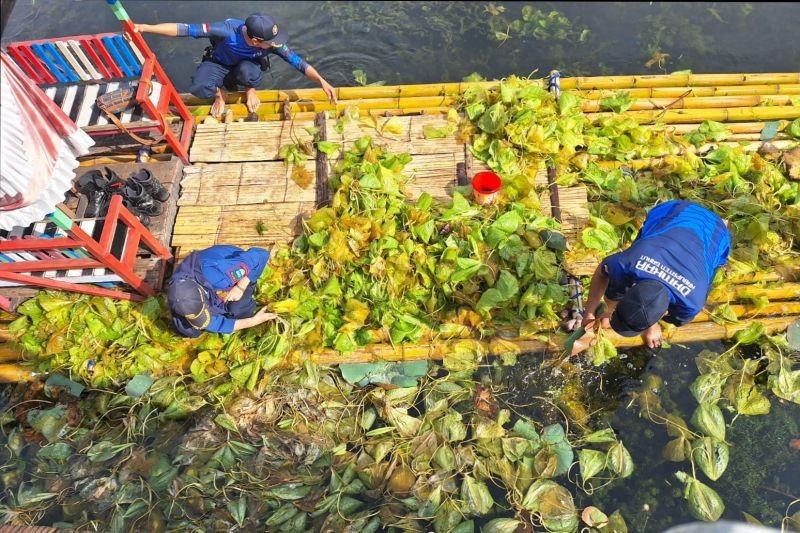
(230, 47)
(219, 268)
(681, 245)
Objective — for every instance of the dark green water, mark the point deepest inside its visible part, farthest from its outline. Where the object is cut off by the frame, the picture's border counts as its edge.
(418, 42)
(421, 42)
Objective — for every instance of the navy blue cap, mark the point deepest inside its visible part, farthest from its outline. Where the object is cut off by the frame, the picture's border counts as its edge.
(642, 306)
(264, 27)
(187, 298)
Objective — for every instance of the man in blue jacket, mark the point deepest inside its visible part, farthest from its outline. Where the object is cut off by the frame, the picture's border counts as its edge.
(240, 55)
(212, 290)
(666, 273)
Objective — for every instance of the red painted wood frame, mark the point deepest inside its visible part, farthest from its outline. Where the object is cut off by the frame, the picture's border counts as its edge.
(99, 252)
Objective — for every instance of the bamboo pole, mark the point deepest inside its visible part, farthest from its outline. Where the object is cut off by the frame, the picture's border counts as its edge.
(15, 373)
(679, 80)
(752, 311)
(644, 86)
(784, 291)
(690, 116)
(694, 332)
(703, 102)
(8, 351)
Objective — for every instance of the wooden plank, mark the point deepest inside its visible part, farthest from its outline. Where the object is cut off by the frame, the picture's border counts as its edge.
(246, 141)
(282, 222)
(244, 183)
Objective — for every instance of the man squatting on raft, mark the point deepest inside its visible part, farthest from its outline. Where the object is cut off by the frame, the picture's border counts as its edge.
(212, 290)
(666, 273)
(240, 54)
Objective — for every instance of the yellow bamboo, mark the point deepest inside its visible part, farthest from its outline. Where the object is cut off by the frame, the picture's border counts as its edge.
(644, 86)
(753, 311)
(694, 332)
(694, 116)
(677, 92)
(784, 291)
(703, 102)
(14, 373)
(9, 352)
(682, 80)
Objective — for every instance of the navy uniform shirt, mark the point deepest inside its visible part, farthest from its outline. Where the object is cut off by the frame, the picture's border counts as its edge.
(219, 268)
(681, 245)
(230, 47)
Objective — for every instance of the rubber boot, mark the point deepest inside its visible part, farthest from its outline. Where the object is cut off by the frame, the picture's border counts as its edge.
(134, 193)
(151, 185)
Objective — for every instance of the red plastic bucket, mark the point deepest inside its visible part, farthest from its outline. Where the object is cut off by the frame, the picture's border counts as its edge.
(485, 186)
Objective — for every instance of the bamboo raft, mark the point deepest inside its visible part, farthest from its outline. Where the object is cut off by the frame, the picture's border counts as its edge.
(238, 179)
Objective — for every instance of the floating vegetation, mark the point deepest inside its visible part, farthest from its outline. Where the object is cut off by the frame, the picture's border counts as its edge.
(220, 433)
(535, 24)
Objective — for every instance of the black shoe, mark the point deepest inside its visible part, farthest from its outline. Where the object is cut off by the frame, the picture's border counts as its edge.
(143, 218)
(151, 185)
(100, 188)
(134, 193)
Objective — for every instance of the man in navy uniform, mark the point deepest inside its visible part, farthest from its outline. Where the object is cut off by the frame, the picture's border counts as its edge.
(666, 273)
(239, 56)
(212, 290)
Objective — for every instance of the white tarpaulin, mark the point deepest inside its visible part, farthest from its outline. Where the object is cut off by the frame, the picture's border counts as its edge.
(39, 145)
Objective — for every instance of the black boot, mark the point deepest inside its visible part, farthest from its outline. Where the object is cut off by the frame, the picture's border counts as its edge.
(151, 185)
(134, 193)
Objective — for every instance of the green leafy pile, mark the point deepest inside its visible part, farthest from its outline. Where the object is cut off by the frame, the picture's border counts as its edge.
(373, 267)
(305, 451)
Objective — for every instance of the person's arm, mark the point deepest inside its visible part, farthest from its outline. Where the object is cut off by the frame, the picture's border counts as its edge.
(263, 315)
(170, 29)
(179, 29)
(596, 290)
(294, 59)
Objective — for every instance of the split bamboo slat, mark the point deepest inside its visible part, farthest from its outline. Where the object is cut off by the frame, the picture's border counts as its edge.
(248, 141)
(574, 210)
(694, 332)
(409, 137)
(244, 183)
(434, 174)
(199, 227)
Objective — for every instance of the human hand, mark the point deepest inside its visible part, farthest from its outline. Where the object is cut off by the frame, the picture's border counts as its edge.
(140, 28)
(653, 336)
(235, 294)
(329, 90)
(252, 100)
(264, 315)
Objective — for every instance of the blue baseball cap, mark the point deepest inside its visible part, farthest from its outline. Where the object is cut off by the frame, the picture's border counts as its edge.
(264, 27)
(642, 306)
(188, 299)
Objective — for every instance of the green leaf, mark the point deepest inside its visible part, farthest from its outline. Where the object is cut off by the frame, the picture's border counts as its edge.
(711, 456)
(57, 381)
(105, 450)
(476, 494)
(600, 436)
(704, 503)
(750, 401)
(493, 119)
(619, 460)
(619, 103)
(238, 509)
(545, 266)
(328, 148)
(227, 422)
(708, 419)
(591, 462)
(48, 422)
(601, 236)
(139, 385)
(501, 525)
(707, 388)
(793, 130)
(750, 334)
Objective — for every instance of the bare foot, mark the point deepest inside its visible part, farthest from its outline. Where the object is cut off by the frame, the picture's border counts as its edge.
(252, 100)
(652, 336)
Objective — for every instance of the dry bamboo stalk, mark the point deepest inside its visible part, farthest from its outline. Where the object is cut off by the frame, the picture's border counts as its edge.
(9, 351)
(679, 80)
(695, 332)
(14, 373)
(677, 92)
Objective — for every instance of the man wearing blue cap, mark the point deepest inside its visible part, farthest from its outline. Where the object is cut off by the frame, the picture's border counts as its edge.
(239, 56)
(666, 273)
(212, 290)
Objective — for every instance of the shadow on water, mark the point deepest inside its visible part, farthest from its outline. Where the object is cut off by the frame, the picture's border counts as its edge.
(763, 476)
